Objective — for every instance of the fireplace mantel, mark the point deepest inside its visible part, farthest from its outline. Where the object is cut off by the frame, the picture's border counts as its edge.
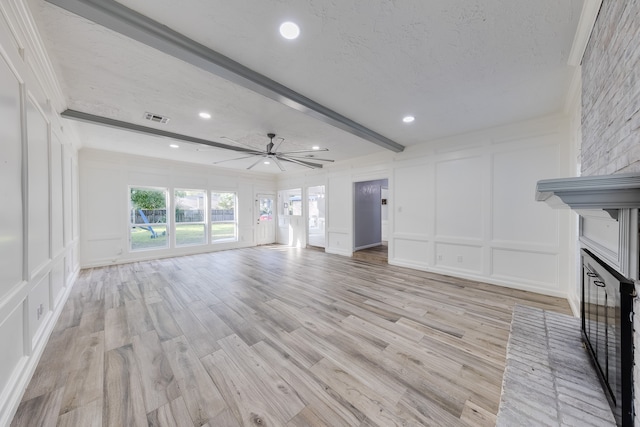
(607, 192)
(616, 245)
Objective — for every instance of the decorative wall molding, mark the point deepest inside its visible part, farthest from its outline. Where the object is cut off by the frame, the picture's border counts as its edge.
(29, 35)
(48, 270)
(415, 239)
(12, 394)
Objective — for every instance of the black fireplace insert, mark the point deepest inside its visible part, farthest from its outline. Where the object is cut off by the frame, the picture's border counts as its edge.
(607, 330)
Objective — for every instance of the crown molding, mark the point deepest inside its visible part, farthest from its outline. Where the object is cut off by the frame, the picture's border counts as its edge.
(588, 17)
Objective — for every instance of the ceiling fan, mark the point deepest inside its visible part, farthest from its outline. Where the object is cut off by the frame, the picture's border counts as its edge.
(271, 153)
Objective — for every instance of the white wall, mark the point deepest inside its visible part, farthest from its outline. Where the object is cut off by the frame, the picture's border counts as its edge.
(105, 178)
(465, 205)
(38, 223)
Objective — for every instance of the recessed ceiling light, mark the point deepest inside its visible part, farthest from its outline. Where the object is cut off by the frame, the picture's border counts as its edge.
(174, 146)
(205, 115)
(267, 162)
(289, 30)
(315, 147)
(408, 119)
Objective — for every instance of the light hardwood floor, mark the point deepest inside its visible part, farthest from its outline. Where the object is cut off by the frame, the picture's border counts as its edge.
(274, 336)
(376, 254)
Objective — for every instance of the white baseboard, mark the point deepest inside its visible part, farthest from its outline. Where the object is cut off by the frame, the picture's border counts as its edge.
(479, 278)
(151, 255)
(575, 306)
(334, 251)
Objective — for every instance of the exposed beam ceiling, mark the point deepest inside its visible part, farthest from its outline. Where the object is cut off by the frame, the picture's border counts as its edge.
(123, 20)
(118, 124)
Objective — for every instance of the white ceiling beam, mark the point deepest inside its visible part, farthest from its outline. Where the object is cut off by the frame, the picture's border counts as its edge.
(132, 127)
(132, 24)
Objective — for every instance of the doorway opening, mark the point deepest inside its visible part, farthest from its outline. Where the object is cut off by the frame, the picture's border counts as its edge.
(316, 208)
(371, 220)
(265, 226)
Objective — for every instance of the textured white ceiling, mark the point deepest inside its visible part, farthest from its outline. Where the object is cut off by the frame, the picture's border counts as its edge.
(457, 65)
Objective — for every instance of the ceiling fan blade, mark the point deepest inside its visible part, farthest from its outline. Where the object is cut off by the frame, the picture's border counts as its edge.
(304, 151)
(310, 158)
(237, 158)
(275, 159)
(258, 161)
(238, 142)
(301, 162)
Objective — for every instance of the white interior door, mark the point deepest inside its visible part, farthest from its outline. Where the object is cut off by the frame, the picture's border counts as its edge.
(266, 226)
(316, 213)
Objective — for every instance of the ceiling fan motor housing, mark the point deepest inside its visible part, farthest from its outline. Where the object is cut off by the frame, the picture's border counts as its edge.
(270, 144)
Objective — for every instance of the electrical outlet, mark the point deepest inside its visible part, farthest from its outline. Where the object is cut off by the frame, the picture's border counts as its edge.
(459, 258)
(39, 311)
(440, 257)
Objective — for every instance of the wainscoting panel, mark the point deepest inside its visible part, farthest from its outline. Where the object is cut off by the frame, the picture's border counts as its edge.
(339, 242)
(38, 264)
(38, 308)
(459, 257)
(517, 217)
(57, 282)
(57, 214)
(411, 252)
(11, 179)
(459, 198)
(540, 270)
(412, 210)
(12, 334)
(38, 211)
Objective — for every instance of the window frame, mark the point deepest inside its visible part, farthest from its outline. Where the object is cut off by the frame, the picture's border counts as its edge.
(286, 205)
(212, 239)
(132, 224)
(204, 221)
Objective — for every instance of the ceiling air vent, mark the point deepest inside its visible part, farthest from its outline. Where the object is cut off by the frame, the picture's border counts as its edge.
(156, 118)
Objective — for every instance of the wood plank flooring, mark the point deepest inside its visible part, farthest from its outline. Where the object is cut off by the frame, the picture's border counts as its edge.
(274, 336)
(376, 254)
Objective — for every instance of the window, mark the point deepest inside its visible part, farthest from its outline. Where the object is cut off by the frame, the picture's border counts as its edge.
(191, 222)
(291, 201)
(148, 218)
(224, 226)
(266, 208)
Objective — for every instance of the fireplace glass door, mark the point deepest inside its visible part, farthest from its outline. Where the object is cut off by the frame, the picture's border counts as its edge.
(606, 327)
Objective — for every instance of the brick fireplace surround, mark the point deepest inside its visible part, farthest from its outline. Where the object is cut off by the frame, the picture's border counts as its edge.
(611, 107)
